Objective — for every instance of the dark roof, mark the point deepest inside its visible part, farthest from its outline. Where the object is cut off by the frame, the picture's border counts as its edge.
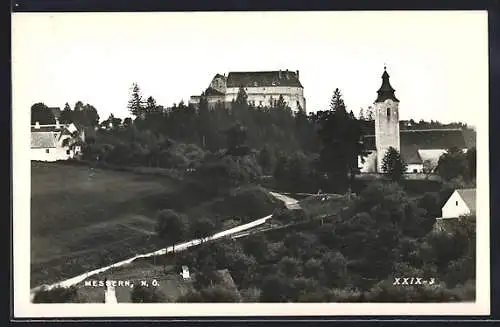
(211, 91)
(367, 127)
(427, 139)
(469, 197)
(386, 91)
(43, 140)
(369, 142)
(410, 155)
(269, 78)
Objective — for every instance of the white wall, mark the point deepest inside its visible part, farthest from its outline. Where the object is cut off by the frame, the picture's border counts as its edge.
(264, 95)
(386, 128)
(53, 155)
(414, 168)
(370, 164)
(455, 207)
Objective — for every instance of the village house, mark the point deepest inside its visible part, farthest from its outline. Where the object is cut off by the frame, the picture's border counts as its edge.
(263, 89)
(461, 203)
(419, 148)
(53, 142)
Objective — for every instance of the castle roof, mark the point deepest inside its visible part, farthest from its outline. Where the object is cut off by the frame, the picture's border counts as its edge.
(210, 91)
(264, 78)
(386, 91)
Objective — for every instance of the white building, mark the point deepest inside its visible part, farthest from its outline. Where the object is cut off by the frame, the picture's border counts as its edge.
(262, 88)
(461, 203)
(55, 142)
(418, 147)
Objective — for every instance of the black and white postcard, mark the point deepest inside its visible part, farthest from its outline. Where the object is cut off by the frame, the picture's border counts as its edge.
(250, 163)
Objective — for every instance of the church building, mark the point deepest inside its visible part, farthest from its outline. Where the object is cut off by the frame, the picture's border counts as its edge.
(418, 147)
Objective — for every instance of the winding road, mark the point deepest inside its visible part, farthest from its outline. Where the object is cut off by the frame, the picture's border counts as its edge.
(290, 203)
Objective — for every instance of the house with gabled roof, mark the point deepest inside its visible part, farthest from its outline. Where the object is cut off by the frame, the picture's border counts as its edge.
(419, 148)
(462, 202)
(263, 88)
(55, 142)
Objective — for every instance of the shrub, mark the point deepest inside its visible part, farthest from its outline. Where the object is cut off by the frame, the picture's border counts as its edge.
(143, 294)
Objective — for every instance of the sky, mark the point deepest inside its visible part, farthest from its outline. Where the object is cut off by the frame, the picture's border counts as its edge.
(438, 61)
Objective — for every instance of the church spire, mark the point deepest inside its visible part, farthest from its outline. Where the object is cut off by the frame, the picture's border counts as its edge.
(386, 91)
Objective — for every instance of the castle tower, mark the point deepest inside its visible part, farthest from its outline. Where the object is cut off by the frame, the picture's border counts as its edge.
(386, 109)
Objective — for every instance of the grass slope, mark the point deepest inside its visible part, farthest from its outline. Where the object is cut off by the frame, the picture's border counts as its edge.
(82, 218)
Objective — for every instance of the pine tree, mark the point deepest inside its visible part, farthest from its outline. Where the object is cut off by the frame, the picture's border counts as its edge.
(393, 164)
(242, 97)
(66, 115)
(337, 103)
(361, 114)
(340, 135)
(135, 103)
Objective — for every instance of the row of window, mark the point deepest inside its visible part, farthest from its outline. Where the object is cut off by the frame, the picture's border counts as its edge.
(48, 151)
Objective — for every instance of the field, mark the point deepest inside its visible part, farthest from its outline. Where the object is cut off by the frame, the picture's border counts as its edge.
(82, 218)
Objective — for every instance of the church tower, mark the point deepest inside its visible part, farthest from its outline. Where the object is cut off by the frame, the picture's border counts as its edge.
(386, 120)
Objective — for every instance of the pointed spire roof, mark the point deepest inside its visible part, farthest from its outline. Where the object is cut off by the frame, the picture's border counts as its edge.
(386, 91)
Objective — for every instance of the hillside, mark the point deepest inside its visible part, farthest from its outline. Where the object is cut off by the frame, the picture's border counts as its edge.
(82, 217)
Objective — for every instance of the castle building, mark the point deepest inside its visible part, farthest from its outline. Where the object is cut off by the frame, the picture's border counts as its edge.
(263, 89)
(419, 148)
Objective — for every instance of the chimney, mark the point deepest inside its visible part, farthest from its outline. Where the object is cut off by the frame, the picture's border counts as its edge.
(297, 74)
(37, 125)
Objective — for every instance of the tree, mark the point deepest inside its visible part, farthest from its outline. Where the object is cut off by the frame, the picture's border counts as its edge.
(236, 137)
(42, 114)
(471, 162)
(57, 295)
(171, 226)
(393, 164)
(202, 228)
(135, 103)
(361, 115)
(266, 159)
(428, 167)
(242, 97)
(337, 102)
(452, 164)
(340, 134)
(146, 294)
(219, 294)
(370, 115)
(66, 116)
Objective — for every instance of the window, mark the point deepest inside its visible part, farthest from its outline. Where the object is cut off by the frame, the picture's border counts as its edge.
(47, 150)
(415, 171)
(67, 151)
(260, 103)
(388, 112)
(456, 203)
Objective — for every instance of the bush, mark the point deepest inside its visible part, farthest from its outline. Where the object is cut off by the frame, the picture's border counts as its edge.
(57, 295)
(143, 294)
